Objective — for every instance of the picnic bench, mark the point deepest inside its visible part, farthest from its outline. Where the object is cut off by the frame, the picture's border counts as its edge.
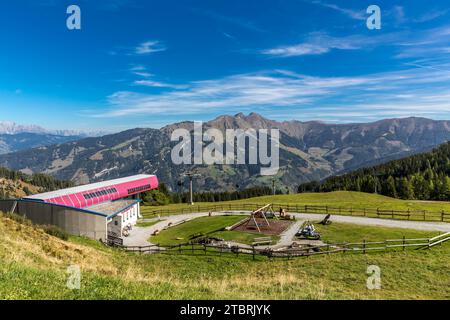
(262, 240)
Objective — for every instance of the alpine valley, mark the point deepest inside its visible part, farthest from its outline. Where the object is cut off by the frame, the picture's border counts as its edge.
(308, 151)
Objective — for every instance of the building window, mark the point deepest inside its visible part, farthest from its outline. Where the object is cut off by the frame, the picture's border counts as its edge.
(139, 189)
(94, 194)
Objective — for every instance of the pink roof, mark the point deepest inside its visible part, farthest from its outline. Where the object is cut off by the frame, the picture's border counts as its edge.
(90, 194)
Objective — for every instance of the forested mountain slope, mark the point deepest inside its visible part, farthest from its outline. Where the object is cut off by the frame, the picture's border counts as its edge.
(424, 176)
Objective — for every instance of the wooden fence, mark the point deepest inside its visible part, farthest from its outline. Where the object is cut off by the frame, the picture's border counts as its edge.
(417, 215)
(362, 246)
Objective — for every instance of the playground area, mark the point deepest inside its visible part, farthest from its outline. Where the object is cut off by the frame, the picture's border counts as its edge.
(264, 221)
(266, 232)
(270, 227)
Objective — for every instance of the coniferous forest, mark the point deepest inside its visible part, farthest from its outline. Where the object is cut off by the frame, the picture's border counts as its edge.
(47, 182)
(424, 176)
(162, 195)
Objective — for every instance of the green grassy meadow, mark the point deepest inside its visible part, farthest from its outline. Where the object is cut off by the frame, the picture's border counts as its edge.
(144, 224)
(211, 226)
(344, 199)
(347, 232)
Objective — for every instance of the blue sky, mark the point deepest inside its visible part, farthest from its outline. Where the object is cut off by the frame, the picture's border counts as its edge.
(148, 63)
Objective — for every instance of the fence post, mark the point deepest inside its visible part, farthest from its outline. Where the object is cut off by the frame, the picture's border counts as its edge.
(192, 248)
(442, 215)
(404, 242)
(378, 212)
(204, 248)
(364, 211)
(253, 252)
(423, 215)
(364, 246)
(306, 208)
(409, 214)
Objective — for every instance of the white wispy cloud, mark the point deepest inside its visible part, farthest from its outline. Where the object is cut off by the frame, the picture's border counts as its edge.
(157, 84)
(146, 79)
(147, 47)
(140, 71)
(411, 91)
(351, 13)
(431, 42)
(242, 22)
(321, 43)
(408, 43)
(431, 15)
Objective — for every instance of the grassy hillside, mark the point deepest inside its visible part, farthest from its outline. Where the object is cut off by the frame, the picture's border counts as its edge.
(17, 188)
(345, 199)
(33, 266)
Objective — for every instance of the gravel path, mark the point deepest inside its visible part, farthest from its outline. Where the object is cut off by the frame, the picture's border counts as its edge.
(139, 235)
(404, 224)
(287, 236)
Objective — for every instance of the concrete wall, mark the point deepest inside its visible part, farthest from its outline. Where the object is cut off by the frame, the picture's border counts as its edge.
(76, 222)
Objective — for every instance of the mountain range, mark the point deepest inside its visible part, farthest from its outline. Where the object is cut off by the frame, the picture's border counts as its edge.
(10, 127)
(15, 137)
(308, 151)
(22, 141)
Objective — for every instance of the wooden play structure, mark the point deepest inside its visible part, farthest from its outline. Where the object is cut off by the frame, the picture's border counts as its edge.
(258, 218)
(263, 221)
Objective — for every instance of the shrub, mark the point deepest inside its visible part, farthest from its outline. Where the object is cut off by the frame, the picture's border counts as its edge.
(49, 229)
(27, 191)
(55, 231)
(19, 218)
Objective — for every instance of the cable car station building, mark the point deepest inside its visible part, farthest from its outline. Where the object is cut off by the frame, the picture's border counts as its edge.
(96, 210)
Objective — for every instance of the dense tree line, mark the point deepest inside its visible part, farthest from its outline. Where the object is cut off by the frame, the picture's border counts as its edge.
(48, 183)
(423, 176)
(162, 195)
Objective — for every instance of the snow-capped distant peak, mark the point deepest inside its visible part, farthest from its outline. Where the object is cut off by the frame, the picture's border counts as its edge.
(10, 127)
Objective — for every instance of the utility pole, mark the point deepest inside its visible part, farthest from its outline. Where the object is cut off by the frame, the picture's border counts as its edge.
(375, 178)
(191, 175)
